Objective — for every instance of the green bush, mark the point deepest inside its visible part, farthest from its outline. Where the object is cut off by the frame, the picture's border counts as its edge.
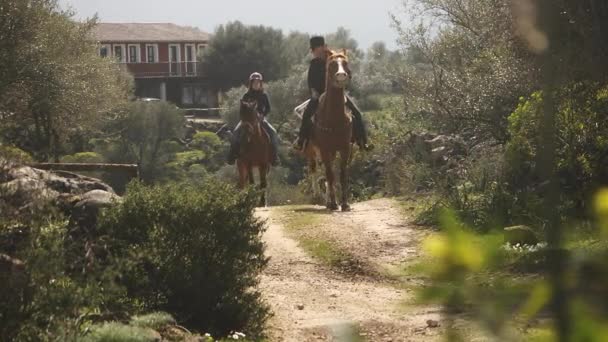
(83, 157)
(116, 332)
(581, 136)
(59, 285)
(194, 251)
(14, 154)
(157, 320)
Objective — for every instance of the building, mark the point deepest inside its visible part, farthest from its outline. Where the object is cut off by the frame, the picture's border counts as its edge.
(163, 59)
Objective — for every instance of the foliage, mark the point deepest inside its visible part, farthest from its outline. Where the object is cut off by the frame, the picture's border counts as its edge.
(195, 252)
(52, 82)
(15, 154)
(155, 320)
(58, 285)
(236, 50)
(148, 135)
(116, 332)
(580, 135)
(467, 270)
(472, 68)
(83, 157)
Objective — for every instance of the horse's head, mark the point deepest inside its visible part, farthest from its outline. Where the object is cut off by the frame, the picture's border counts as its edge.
(249, 111)
(338, 72)
(249, 118)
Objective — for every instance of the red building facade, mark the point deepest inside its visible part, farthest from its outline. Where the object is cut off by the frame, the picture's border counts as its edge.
(164, 60)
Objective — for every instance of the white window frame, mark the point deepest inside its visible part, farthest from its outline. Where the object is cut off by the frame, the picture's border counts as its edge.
(138, 53)
(193, 61)
(179, 58)
(156, 57)
(123, 58)
(179, 53)
(108, 49)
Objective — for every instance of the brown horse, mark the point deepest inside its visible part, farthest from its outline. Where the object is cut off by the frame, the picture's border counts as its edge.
(255, 149)
(332, 132)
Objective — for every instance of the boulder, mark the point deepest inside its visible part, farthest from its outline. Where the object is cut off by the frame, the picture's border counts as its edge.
(85, 211)
(22, 185)
(522, 235)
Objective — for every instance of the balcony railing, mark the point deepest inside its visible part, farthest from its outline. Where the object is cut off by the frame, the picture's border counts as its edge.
(164, 69)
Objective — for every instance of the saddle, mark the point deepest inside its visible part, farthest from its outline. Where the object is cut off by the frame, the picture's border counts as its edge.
(299, 110)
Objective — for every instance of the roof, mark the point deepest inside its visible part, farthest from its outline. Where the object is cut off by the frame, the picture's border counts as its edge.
(148, 32)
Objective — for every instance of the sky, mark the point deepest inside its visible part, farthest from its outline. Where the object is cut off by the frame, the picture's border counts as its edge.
(368, 20)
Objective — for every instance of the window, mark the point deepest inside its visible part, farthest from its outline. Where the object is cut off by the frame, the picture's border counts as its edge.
(134, 54)
(152, 53)
(119, 53)
(104, 50)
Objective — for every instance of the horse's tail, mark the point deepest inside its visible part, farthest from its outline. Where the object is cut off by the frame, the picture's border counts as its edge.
(311, 155)
(312, 165)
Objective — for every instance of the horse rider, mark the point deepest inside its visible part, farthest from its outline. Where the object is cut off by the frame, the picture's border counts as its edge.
(316, 85)
(256, 93)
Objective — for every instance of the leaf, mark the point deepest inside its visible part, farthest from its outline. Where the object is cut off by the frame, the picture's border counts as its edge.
(540, 296)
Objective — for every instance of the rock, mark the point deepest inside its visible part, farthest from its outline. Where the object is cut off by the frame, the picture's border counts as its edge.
(24, 185)
(522, 235)
(98, 199)
(25, 189)
(432, 323)
(300, 306)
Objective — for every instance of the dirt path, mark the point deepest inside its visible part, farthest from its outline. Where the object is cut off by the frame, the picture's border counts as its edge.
(312, 301)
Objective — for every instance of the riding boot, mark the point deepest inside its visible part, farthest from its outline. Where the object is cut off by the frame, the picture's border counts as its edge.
(306, 125)
(359, 132)
(233, 153)
(274, 140)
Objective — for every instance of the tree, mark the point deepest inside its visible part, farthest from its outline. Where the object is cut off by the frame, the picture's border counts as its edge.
(52, 82)
(236, 50)
(342, 39)
(296, 49)
(472, 67)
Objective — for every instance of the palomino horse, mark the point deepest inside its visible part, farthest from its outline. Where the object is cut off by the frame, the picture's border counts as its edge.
(255, 149)
(332, 132)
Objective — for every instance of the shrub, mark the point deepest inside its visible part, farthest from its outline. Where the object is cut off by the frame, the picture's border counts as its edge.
(195, 251)
(57, 287)
(14, 154)
(581, 131)
(83, 157)
(157, 320)
(116, 332)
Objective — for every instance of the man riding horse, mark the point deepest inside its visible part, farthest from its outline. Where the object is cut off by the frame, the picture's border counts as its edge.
(316, 84)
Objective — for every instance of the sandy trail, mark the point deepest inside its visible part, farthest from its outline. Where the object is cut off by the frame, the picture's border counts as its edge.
(313, 302)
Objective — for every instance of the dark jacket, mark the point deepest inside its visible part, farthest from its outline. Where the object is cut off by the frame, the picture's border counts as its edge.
(261, 98)
(316, 75)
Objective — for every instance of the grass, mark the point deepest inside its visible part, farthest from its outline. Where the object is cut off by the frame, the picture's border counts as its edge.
(304, 224)
(117, 332)
(157, 320)
(422, 209)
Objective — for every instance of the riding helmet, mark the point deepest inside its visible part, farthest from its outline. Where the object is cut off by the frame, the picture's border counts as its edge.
(256, 76)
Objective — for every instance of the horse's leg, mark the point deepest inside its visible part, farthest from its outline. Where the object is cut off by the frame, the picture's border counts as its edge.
(242, 169)
(344, 179)
(331, 183)
(263, 184)
(250, 175)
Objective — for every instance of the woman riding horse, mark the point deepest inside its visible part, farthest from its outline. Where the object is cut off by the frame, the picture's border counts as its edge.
(255, 149)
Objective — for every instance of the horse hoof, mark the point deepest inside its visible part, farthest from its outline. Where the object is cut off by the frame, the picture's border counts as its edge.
(346, 208)
(332, 206)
